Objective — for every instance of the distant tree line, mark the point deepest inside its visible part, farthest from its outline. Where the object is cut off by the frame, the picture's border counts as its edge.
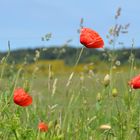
(70, 54)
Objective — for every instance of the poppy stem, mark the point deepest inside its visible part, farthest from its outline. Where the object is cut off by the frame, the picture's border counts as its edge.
(132, 59)
(15, 133)
(78, 59)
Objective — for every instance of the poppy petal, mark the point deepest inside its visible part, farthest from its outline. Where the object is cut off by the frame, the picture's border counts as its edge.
(22, 98)
(135, 82)
(43, 127)
(90, 38)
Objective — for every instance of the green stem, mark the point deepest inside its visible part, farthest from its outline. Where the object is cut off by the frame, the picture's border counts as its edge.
(80, 54)
(132, 59)
(15, 133)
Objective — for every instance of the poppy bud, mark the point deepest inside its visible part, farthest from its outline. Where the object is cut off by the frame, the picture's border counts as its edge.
(114, 92)
(99, 97)
(105, 127)
(50, 125)
(106, 80)
(81, 76)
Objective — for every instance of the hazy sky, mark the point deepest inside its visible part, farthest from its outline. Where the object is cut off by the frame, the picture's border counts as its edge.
(24, 22)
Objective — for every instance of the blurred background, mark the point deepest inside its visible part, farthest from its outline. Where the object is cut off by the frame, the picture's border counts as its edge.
(46, 32)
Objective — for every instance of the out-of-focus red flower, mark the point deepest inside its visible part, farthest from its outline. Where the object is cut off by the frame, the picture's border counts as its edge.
(90, 38)
(43, 127)
(135, 82)
(22, 98)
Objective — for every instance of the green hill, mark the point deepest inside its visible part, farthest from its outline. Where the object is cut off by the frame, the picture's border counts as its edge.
(70, 54)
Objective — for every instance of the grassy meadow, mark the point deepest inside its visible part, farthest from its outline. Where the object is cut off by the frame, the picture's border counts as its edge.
(76, 102)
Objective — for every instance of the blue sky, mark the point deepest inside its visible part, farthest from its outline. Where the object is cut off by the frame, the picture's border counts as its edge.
(24, 22)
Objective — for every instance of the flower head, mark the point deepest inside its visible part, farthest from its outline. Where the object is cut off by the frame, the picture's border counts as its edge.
(135, 82)
(106, 80)
(99, 97)
(105, 127)
(43, 127)
(22, 98)
(90, 38)
(114, 92)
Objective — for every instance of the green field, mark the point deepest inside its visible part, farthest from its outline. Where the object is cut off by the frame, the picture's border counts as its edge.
(73, 105)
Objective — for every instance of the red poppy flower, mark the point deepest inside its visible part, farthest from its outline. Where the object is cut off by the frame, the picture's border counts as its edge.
(90, 38)
(135, 82)
(43, 127)
(22, 98)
